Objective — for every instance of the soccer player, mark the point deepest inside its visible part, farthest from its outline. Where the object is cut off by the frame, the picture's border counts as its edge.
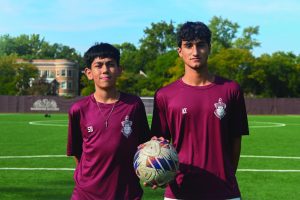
(204, 116)
(104, 132)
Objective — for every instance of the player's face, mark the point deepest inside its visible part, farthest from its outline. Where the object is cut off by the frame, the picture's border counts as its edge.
(194, 53)
(104, 72)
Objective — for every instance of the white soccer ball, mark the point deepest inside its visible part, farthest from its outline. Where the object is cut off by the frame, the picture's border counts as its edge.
(156, 162)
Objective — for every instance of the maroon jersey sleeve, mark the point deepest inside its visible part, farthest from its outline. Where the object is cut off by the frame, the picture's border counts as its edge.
(238, 123)
(74, 145)
(142, 122)
(159, 125)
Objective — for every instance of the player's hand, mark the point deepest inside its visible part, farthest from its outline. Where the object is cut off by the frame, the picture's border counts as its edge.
(160, 139)
(154, 187)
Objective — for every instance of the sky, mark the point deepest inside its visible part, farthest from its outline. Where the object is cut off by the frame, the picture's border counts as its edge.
(81, 23)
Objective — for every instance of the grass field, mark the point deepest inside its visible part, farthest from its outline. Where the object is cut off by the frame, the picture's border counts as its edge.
(33, 165)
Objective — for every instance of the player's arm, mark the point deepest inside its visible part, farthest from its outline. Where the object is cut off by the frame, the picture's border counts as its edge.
(77, 159)
(74, 144)
(236, 151)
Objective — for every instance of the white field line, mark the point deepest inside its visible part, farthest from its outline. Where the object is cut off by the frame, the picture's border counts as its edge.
(37, 169)
(269, 170)
(49, 123)
(54, 123)
(72, 169)
(34, 156)
(64, 156)
(269, 124)
(271, 157)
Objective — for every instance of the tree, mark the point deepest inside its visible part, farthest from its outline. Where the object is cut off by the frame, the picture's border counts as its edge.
(25, 73)
(7, 75)
(15, 77)
(281, 74)
(224, 35)
(159, 38)
(40, 87)
(247, 41)
(129, 57)
(233, 63)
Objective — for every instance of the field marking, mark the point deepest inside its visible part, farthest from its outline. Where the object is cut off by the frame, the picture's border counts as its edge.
(272, 157)
(72, 169)
(65, 156)
(269, 170)
(272, 124)
(34, 156)
(52, 123)
(48, 123)
(37, 169)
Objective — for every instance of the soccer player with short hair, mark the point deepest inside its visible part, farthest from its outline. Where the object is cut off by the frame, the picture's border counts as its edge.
(104, 132)
(204, 116)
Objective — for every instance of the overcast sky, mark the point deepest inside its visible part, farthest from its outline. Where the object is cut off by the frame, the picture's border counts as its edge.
(81, 23)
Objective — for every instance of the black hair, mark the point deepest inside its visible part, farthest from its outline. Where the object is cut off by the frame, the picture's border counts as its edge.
(102, 50)
(191, 31)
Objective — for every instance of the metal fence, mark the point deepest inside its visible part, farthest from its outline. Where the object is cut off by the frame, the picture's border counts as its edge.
(55, 104)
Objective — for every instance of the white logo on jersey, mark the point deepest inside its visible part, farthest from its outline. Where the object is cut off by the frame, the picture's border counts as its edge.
(220, 109)
(184, 111)
(126, 130)
(90, 129)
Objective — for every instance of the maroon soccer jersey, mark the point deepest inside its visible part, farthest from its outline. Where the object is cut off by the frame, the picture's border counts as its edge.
(105, 170)
(201, 121)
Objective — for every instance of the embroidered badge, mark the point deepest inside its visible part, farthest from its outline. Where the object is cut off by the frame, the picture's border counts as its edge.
(184, 111)
(126, 130)
(220, 109)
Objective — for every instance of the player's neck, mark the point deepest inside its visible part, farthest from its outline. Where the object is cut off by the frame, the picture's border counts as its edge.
(195, 78)
(110, 96)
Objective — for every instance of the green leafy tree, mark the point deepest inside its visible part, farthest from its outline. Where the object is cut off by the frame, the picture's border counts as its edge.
(88, 87)
(15, 77)
(129, 57)
(233, 64)
(40, 86)
(281, 74)
(224, 35)
(7, 75)
(247, 41)
(25, 73)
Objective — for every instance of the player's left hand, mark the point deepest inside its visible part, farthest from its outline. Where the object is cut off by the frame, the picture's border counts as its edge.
(154, 187)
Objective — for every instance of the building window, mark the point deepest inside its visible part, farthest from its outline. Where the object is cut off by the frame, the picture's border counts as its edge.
(57, 73)
(63, 72)
(44, 73)
(63, 85)
(51, 74)
(69, 73)
(69, 86)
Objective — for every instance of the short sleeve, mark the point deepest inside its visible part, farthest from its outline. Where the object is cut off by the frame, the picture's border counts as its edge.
(238, 124)
(74, 145)
(159, 126)
(142, 122)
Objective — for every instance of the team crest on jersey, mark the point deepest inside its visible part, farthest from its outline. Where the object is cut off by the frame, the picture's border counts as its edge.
(126, 130)
(220, 109)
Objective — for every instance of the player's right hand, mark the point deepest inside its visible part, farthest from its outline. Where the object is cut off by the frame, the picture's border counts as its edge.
(154, 187)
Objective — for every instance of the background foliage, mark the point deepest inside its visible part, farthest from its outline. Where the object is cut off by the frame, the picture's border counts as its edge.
(155, 63)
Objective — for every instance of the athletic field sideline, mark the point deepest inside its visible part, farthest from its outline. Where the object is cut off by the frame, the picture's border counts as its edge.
(33, 164)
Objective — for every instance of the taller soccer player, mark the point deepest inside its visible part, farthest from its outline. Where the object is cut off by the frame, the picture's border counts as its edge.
(204, 116)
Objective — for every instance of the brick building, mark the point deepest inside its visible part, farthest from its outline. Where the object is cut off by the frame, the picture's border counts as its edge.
(65, 72)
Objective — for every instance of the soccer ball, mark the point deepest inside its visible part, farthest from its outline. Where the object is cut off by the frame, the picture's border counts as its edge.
(156, 162)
